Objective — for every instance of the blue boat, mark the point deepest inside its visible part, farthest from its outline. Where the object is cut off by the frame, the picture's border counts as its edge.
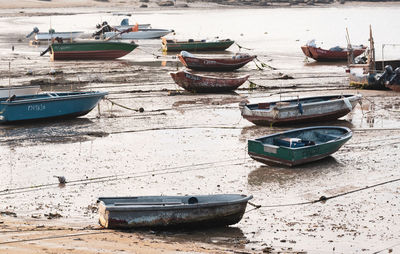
(48, 105)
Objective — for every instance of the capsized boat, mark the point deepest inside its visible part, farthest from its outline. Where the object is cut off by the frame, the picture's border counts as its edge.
(308, 109)
(298, 146)
(206, 84)
(18, 91)
(192, 45)
(216, 63)
(336, 53)
(52, 34)
(172, 211)
(91, 50)
(48, 105)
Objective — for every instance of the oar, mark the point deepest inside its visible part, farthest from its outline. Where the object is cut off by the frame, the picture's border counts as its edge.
(44, 52)
(132, 29)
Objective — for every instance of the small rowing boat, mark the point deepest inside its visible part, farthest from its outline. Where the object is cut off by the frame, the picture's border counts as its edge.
(48, 105)
(308, 109)
(172, 211)
(214, 64)
(206, 84)
(298, 146)
(192, 45)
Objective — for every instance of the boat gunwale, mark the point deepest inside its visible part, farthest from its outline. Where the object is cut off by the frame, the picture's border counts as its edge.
(53, 98)
(210, 77)
(183, 206)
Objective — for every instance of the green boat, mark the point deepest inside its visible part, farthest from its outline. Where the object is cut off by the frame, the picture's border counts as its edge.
(191, 45)
(298, 146)
(91, 50)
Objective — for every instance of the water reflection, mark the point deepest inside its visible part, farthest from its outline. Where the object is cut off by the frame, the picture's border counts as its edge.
(282, 175)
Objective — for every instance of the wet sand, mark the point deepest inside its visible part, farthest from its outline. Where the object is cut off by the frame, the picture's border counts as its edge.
(194, 144)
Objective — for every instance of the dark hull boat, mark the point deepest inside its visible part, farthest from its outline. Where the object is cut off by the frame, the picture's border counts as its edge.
(172, 211)
(298, 146)
(309, 109)
(94, 50)
(326, 55)
(214, 64)
(48, 105)
(205, 84)
(191, 45)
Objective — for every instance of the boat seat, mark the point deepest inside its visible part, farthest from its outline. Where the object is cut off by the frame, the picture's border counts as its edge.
(289, 142)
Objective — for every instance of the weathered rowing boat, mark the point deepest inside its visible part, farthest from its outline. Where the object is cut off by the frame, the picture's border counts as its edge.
(141, 34)
(191, 45)
(172, 211)
(206, 84)
(333, 54)
(18, 91)
(48, 105)
(298, 146)
(309, 109)
(214, 64)
(92, 50)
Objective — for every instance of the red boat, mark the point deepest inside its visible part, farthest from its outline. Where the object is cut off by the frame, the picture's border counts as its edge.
(333, 54)
(214, 64)
(203, 84)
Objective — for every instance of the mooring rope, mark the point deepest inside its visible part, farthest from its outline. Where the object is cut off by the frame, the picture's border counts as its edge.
(125, 107)
(322, 198)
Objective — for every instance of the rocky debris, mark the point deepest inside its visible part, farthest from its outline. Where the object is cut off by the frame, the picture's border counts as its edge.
(143, 6)
(8, 213)
(53, 215)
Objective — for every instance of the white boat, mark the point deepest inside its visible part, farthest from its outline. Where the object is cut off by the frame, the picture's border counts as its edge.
(62, 35)
(7, 92)
(138, 35)
(52, 35)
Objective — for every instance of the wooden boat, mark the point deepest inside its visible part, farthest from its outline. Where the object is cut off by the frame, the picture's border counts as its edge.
(205, 84)
(309, 109)
(298, 146)
(172, 211)
(214, 64)
(48, 105)
(7, 92)
(191, 45)
(92, 50)
(141, 34)
(333, 54)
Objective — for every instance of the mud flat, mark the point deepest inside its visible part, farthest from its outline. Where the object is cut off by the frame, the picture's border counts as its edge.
(192, 144)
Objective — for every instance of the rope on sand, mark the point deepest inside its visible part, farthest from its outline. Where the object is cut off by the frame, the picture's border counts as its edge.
(323, 198)
(125, 107)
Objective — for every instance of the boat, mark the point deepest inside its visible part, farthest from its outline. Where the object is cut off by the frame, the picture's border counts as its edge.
(206, 84)
(192, 45)
(7, 92)
(336, 53)
(91, 50)
(298, 146)
(214, 64)
(308, 109)
(141, 34)
(125, 25)
(172, 211)
(48, 105)
(69, 36)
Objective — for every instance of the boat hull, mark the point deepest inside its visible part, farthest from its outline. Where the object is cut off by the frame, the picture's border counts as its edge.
(175, 215)
(324, 55)
(90, 50)
(202, 84)
(269, 153)
(214, 64)
(313, 109)
(48, 105)
(197, 46)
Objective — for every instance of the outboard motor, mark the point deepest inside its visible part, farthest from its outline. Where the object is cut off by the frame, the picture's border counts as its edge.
(35, 31)
(125, 22)
(387, 74)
